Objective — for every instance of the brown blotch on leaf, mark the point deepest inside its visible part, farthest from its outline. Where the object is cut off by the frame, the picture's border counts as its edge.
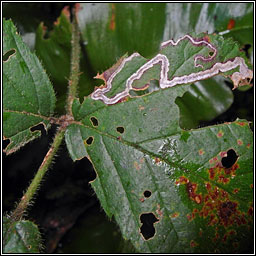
(226, 210)
(182, 180)
(191, 189)
(193, 243)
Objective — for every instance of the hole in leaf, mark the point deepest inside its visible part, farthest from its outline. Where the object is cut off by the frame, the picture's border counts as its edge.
(211, 53)
(147, 193)
(230, 159)
(147, 229)
(246, 50)
(94, 121)
(120, 129)
(38, 127)
(84, 176)
(89, 141)
(6, 143)
(8, 54)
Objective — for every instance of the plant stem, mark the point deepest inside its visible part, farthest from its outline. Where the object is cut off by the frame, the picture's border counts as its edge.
(26, 199)
(75, 58)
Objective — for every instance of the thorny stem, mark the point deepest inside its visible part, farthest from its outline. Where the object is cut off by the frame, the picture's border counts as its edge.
(63, 121)
(26, 199)
(74, 69)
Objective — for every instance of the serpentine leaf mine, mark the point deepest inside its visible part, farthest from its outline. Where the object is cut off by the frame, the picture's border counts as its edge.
(238, 78)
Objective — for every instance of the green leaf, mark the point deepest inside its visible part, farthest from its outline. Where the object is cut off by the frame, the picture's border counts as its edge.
(21, 237)
(55, 52)
(28, 96)
(132, 24)
(111, 30)
(193, 188)
(204, 101)
(211, 17)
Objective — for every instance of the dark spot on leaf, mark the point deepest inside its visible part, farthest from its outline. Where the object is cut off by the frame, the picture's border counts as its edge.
(230, 159)
(147, 193)
(147, 229)
(89, 140)
(120, 129)
(94, 121)
(8, 54)
(226, 210)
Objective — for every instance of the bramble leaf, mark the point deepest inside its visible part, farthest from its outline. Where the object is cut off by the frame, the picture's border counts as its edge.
(170, 190)
(21, 237)
(28, 96)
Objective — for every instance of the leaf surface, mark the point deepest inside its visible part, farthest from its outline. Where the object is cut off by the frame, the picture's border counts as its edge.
(170, 190)
(21, 237)
(28, 96)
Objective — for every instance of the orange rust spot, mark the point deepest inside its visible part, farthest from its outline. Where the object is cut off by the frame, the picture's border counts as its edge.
(207, 38)
(201, 152)
(112, 24)
(157, 160)
(223, 179)
(175, 215)
(198, 199)
(189, 217)
(227, 211)
(158, 211)
(223, 154)
(235, 191)
(231, 24)
(239, 142)
(213, 220)
(250, 211)
(220, 134)
(137, 166)
(141, 107)
(248, 145)
(251, 186)
(211, 173)
(241, 123)
(191, 189)
(182, 180)
(208, 186)
(193, 243)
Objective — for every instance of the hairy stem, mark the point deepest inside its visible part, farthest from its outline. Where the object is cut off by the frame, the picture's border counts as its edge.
(75, 58)
(26, 199)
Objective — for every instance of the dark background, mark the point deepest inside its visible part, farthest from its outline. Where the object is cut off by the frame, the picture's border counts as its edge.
(66, 208)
